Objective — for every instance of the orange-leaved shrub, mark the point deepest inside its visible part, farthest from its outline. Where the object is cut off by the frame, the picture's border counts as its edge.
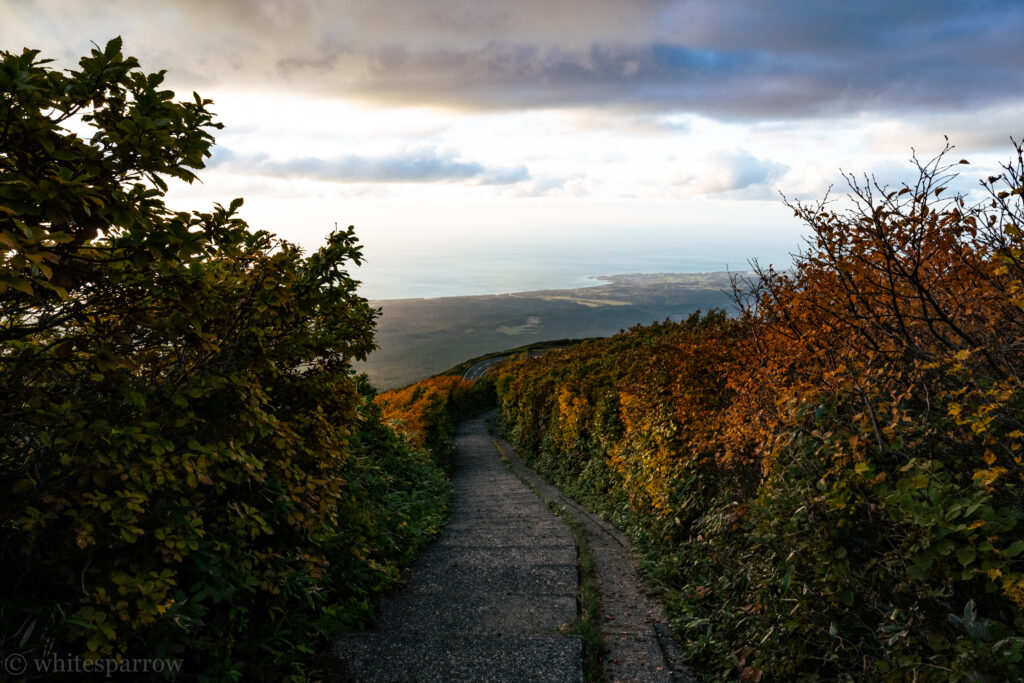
(421, 410)
(829, 484)
(427, 411)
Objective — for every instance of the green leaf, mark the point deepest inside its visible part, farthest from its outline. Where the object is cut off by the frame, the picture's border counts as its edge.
(786, 579)
(1015, 549)
(18, 283)
(966, 555)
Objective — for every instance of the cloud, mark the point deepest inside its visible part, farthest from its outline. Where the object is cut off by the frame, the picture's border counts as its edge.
(730, 172)
(553, 186)
(743, 59)
(978, 129)
(425, 165)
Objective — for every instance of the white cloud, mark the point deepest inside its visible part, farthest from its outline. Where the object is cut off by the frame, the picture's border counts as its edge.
(432, 118)
(730, 171)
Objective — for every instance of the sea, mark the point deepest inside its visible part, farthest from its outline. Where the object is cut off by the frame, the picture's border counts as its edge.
(488, 264)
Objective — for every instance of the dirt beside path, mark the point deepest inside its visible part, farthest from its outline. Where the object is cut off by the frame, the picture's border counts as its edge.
(640, 644)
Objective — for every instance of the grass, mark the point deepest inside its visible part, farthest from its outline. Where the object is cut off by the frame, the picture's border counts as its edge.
(588, 622)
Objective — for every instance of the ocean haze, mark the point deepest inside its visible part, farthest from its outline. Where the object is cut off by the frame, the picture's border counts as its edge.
(563, 259)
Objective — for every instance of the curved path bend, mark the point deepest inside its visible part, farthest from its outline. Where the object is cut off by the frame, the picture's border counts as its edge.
(478, 370)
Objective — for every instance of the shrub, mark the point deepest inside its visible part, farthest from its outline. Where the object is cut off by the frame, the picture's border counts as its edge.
(829, 485)
(188, 467)
(428, 410)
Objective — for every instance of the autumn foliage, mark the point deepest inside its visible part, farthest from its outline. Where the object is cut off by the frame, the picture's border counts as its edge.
(829, 484)
(422, 410)
(426, 412)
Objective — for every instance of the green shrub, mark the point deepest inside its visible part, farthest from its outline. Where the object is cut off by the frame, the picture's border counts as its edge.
(188, 466)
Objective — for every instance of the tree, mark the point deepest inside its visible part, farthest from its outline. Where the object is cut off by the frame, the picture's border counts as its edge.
(176, 396)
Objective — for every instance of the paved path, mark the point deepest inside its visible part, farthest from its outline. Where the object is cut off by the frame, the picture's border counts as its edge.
(487, 600)
(478, 370)
(640, 645)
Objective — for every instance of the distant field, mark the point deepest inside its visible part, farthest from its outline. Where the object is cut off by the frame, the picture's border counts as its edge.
(422, 337)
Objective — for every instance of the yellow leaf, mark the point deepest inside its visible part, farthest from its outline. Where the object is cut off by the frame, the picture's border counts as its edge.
(988, 477)
(20, 284)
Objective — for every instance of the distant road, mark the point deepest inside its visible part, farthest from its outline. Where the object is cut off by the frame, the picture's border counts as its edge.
(477, 370)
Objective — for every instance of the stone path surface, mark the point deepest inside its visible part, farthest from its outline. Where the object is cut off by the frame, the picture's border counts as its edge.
(487, 600)
(640, 644)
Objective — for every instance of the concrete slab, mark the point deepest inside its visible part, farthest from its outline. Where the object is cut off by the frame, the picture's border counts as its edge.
(386, 658)
(487, 600)
(636, 658)
(504, 523)
(516, 556)
(477, 614)
(457, 579)
(483, 537)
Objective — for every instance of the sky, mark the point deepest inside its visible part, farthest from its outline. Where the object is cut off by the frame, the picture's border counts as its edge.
(450, 130)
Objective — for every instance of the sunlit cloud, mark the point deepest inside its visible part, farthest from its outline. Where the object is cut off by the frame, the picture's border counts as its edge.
(748, 58)
(730, 171)
(488, 116)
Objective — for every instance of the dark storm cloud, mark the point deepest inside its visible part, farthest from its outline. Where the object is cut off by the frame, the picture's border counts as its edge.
(415, 166)
(741, 58)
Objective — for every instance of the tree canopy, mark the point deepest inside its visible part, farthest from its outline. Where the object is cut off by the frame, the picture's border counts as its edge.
(188, 465)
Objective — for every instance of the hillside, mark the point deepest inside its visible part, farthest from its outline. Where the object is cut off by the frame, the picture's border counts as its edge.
(828, 487)
(422, 337)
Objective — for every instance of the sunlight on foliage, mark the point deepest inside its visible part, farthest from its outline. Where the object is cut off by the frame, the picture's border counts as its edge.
(829, 484)
(426, 412)
(420, 410)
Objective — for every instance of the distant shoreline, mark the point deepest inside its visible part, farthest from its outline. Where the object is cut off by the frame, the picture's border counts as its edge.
(696, 279)
(420, 337)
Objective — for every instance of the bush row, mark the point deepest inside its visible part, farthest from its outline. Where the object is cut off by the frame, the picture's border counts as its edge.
(428, 411)
(189, 467)
(828, 486)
